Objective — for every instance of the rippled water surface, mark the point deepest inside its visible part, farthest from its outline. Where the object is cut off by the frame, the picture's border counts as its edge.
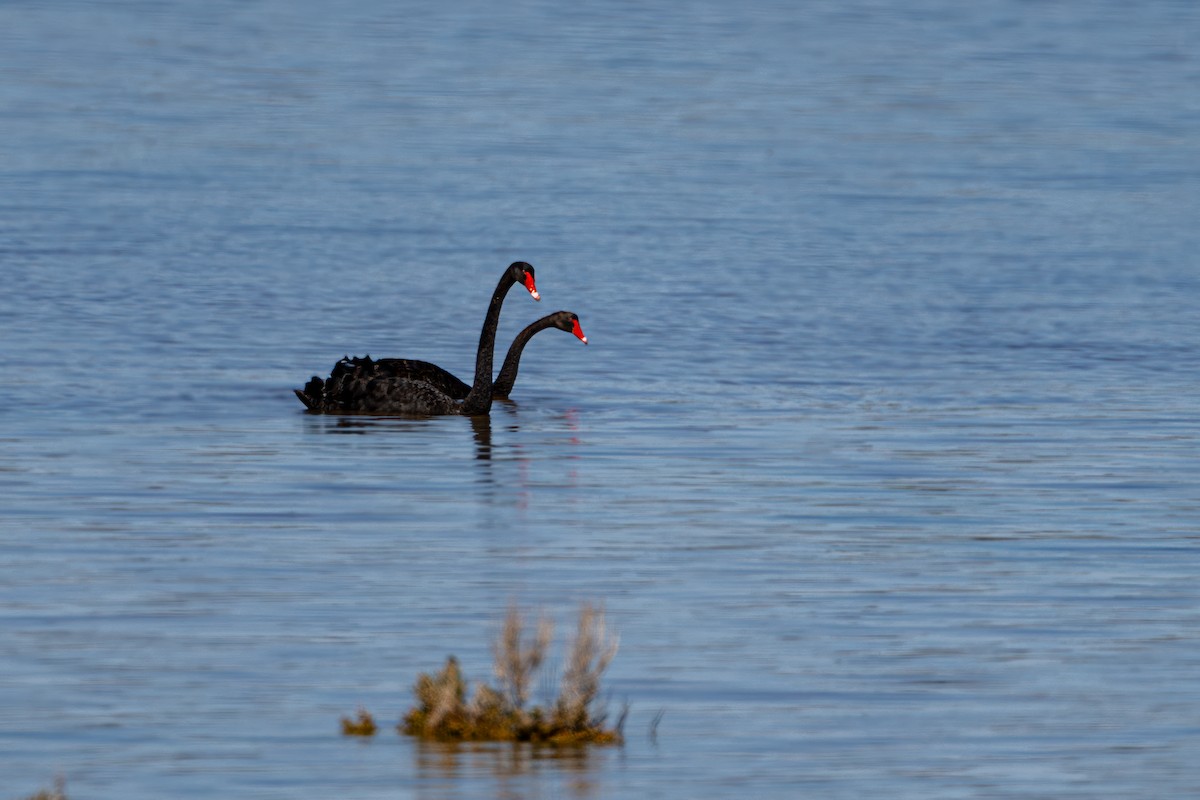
(882, 458)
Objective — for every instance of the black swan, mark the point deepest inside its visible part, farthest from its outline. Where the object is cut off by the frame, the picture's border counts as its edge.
(355, 387)
(446, 383)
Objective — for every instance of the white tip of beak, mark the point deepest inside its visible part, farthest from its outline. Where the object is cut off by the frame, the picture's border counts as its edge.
(584, 340)
(534, 294)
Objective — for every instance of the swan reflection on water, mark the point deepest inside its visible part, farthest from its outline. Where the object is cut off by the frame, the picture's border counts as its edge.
(482, 428)
(363, 425)
(522, 444)
(452, 764)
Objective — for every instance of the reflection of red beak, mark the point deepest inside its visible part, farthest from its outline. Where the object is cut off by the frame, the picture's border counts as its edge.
(578, 331)
(531, 287)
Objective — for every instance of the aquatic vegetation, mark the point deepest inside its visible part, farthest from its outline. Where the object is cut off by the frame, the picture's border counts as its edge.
(59, 792)
(446, 711)
(362, 725)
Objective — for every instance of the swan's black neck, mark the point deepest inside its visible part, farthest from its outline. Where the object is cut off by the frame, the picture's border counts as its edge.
(512, 362)
(479, 399)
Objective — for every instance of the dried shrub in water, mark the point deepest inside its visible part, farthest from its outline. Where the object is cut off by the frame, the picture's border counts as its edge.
(591, 653)
(516, 663)
(443, 710)
(59, 792)
(362, 725)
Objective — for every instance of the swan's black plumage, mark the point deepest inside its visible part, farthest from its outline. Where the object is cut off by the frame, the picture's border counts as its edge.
(360, 386)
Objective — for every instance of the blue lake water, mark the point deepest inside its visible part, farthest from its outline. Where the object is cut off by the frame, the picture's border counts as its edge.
(882, 458)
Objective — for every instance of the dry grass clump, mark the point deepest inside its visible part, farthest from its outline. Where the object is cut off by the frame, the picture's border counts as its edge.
(445, 712)
(362, 725)
(59, 792)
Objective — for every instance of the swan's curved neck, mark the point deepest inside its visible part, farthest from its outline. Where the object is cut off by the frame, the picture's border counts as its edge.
(512, 362)
(479, 399)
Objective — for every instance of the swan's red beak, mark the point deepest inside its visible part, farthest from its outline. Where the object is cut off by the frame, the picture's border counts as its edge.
(578, 331)
(529, 284)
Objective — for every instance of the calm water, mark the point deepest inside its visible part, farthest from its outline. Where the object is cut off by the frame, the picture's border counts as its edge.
(882, 458)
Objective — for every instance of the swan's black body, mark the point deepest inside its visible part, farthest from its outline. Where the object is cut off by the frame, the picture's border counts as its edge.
(361, 386)
(451, 386)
